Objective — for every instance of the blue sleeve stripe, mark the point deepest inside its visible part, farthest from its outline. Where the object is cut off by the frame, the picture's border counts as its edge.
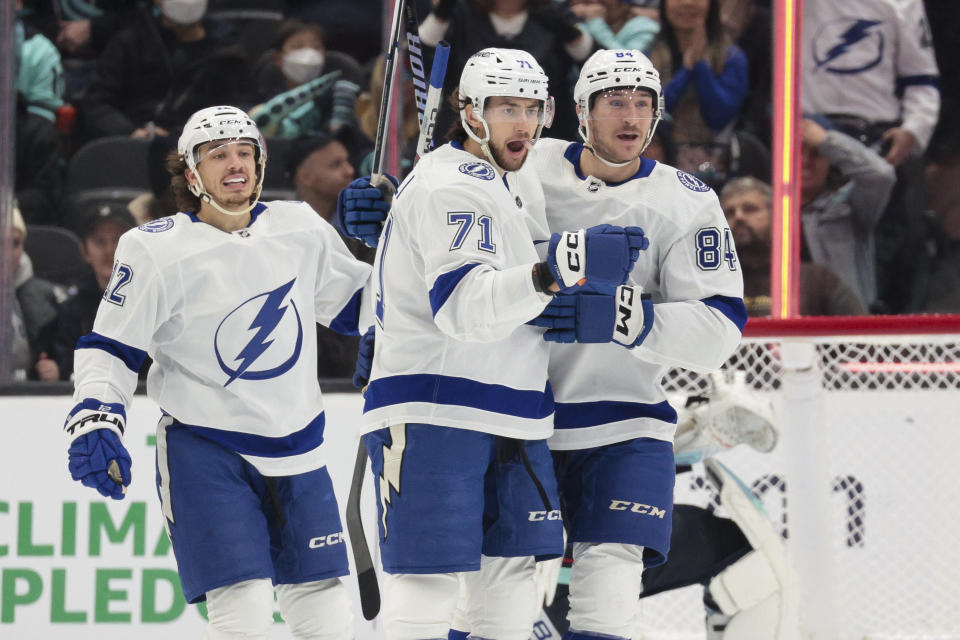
(130, 356)
(733, 308)
(450, 390)
(302, 441)
(575, 415)
(444, 285)
(347, 321)
(917, 81)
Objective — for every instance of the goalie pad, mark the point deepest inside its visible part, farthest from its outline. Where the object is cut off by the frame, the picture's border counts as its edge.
(757, 596)
(731, 414)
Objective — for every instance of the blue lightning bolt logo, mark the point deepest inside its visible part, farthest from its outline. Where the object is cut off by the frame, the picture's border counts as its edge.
(860, 30)
(392, 464)
(265, 322)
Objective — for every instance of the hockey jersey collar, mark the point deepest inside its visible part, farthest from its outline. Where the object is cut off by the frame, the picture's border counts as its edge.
(456, 144)
(574, 151)
(254, 213)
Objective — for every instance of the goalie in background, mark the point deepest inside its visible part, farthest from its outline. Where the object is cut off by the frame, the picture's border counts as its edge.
(750, 589)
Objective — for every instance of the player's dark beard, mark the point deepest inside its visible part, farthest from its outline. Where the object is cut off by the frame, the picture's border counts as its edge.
(503, 161)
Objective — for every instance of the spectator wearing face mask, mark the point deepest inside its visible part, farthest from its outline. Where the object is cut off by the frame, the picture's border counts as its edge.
(302, 88)
(167, 64)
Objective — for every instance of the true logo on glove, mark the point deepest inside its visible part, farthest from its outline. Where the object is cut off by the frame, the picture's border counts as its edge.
(96, 418)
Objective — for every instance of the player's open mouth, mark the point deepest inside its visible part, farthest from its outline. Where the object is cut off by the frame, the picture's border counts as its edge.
(236, 182)
(516, 147)
(628, 137)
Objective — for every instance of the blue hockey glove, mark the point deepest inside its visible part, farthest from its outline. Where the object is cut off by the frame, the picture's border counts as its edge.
(97, 457)
(361, 209)
(625, 317)
(603, 255)
(361, 375)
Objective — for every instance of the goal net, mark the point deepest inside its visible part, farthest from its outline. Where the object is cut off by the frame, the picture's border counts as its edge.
(864, 483)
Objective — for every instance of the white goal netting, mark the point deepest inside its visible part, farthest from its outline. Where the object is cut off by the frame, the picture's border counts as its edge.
(864, 484)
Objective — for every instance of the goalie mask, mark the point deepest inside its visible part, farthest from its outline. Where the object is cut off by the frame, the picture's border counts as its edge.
(224, 125)
(505, 73)
(624, 71)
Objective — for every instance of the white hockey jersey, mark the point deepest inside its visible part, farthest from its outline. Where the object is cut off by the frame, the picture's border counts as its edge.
(228, 319)
(453, 286)
(859, 56)
(605, 393)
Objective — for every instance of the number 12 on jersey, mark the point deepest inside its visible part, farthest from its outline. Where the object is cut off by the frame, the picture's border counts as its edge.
(711, 253)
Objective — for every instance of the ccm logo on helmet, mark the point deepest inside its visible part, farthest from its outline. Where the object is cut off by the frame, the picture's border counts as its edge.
(538, 516)
(223, 123)
(326, 541)
(637, 507)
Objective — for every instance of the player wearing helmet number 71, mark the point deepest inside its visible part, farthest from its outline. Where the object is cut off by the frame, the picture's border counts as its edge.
(458, 406)
(223, 297)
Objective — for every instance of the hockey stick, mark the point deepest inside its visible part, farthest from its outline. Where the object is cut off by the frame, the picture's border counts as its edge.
(366, 573)
(415, 58)
(377, 179)
(437, 74)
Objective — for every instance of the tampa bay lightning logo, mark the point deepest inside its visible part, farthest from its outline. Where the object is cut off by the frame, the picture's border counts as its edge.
(274, 319)
(848, 46)
(478, 170)
(691, 182)
(157, 226)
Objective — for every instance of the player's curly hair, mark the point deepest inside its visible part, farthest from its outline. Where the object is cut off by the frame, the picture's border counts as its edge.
(186, 201)
(456, 130)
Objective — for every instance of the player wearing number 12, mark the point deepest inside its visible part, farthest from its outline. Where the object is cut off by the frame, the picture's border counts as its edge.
(458, 407)
(223, 297)
(613, 425)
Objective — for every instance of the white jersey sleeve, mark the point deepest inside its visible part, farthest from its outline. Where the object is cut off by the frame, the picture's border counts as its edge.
(698, 312)
(917, 74)
(108, 359)
(476, 295)
(341, 286)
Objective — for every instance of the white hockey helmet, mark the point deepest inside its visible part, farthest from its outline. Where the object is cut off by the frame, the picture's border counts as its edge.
(502, 72)
(612, 69)
(228, 125)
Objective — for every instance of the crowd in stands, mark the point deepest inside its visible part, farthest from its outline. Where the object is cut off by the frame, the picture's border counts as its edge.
(103, 85)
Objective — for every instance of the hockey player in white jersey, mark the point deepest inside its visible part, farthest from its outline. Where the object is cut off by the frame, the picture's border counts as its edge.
(223, 297)
(458, 406)
(613, 425)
